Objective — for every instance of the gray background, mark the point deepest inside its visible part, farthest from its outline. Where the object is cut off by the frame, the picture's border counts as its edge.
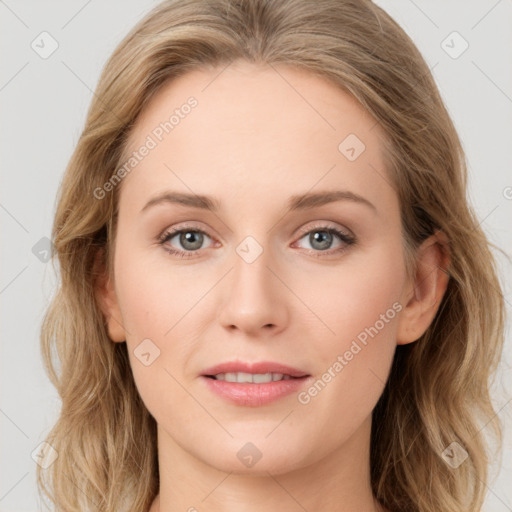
(44, 102)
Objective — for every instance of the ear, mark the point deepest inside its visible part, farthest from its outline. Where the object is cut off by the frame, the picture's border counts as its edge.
(424, 294)
(107, 299)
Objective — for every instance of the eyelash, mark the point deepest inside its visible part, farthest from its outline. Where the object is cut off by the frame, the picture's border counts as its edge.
(345, 238)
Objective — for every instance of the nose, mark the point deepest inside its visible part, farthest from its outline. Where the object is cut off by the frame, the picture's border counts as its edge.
(255, 299)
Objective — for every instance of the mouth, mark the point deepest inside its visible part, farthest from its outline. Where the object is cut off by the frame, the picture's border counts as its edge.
(255, 372)
(252, 378)
(254, 384)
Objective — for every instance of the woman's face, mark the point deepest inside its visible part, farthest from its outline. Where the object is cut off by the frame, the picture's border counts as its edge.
(264, 277)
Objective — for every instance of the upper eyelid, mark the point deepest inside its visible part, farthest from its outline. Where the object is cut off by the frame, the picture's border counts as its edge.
(318, 225)
(325, 225)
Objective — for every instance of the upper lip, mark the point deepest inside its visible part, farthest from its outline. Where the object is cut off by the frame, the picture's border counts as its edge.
(255, 367)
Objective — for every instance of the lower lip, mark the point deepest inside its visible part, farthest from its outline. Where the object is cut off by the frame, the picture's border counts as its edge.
(254, 395)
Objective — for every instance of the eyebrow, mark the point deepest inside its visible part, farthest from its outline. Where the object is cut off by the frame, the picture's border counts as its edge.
(296, 202)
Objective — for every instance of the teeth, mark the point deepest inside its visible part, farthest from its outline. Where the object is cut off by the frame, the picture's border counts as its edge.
(257, 378)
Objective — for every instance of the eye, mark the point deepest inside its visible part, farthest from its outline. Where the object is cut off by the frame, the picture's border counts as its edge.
(321, 238)
(190, 239)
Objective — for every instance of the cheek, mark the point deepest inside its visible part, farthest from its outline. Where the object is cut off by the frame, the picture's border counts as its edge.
(353, 296)
(148, 314)
(151, 293)
(155, 302)
(360, 305)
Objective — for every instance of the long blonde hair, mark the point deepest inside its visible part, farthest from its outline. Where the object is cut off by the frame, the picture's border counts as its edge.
(438, 389)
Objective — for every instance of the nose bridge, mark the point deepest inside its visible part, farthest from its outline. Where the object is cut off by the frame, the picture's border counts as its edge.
(252, 300)
(251, 276)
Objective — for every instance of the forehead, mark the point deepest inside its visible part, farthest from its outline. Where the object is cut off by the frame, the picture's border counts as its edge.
(256, 129)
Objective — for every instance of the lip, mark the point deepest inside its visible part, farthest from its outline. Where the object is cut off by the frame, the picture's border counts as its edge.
(250, 394)
(257, 367)
(254, 395)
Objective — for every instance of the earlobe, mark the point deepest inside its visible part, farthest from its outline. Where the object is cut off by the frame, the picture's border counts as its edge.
(425, 294)
(107, 300)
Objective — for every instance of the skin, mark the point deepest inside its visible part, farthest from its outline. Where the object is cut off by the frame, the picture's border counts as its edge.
(258, 136)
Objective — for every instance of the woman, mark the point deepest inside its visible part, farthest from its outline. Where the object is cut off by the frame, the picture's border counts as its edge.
(208, 359)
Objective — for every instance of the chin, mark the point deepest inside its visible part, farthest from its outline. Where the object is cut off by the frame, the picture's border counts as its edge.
(255, 458)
